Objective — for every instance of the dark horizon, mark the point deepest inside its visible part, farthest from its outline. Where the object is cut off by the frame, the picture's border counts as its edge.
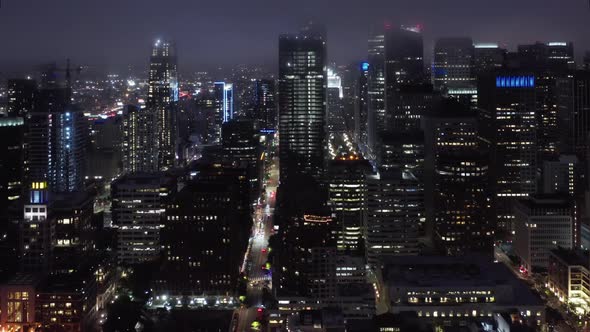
(110, 34)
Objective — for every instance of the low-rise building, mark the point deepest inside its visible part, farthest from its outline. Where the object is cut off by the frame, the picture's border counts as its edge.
(456, 289)
(567, 277)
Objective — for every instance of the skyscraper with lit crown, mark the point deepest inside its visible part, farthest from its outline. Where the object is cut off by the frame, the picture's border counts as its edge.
(161, 105)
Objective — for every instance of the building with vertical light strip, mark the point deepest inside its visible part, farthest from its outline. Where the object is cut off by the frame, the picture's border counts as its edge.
(161, 105)
(361, 117)
(302, 104)
(224, 94)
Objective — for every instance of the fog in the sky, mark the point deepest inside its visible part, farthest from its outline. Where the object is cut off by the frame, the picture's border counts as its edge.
(118, 32)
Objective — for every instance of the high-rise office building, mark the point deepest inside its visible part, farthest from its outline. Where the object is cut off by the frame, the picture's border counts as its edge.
(395, 214)
(508, 130)
(302, 104)
(403, 150)
(561, 176)
(375, 87)
(36, 230)
(161, 105)
(131, 139)
(550, 62)
(136, 134)
(487, 57)
(66, 167)
(11, 163)
(240, 141)
(56, 136)
(40, 135)
(361, 116)
(452, 70)
(456, 180)
(404, 56)
(413, 102)
(72, 235)
(347, 190)
(21, 97)
(264, 107)
(404, 62)
(205, 106)
(138, 206)
(336, 119)
(553, 56)
(574, 110)
(224, 99)
(205, 239)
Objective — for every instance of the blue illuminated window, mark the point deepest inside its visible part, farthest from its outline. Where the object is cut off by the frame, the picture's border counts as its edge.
(523, 81)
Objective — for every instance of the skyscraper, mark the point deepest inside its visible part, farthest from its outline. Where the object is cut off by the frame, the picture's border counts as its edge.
(395, 212)
(136, 140)
(66, 168)
(56, 134)
(413, 102)
(553, 56)
(550, 62)
(573, 102)
(404, 61)
(11, 163)
(240, 141)
(224, 98)
(302, 104)
(264, 107)
(36, 230)
(361, 117)
(21, 97)
(161, 105)
(508, 129)
(205, 237)
(487, 57)
(347, 190)
(336, 120)
(456, 180)
(138, 206)
(453, 68)
(375, 87)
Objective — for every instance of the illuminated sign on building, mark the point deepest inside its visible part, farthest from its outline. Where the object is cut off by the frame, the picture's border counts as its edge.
(365, 66)
(515, 81)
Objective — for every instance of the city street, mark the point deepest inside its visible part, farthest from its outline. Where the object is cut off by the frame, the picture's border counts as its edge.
(259, 277)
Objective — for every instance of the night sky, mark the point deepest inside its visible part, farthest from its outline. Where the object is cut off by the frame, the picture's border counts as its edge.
(116, 32)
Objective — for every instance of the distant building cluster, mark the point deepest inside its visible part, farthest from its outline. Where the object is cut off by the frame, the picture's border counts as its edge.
(385, 195)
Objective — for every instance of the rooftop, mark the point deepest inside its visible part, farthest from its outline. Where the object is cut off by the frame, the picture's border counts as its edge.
(443, 271)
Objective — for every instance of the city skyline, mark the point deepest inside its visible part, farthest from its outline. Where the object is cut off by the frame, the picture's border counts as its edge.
(206, 39)
(433, 177)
